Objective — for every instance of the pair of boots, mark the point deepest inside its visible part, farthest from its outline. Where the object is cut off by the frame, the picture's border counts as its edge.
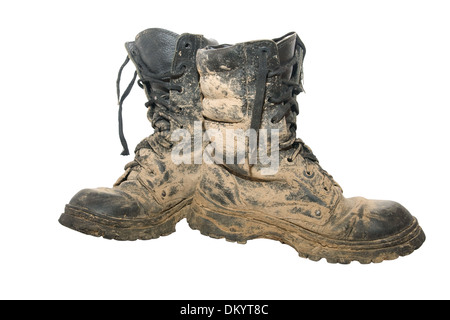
(249, 89)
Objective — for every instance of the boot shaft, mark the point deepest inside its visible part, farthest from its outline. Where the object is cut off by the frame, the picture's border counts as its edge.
(157, 52)
(249, 90)
(245, 85)
(166, 66)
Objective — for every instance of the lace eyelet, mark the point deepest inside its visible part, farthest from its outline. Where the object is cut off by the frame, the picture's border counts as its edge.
(308, 174)
(187, 45)
(181, 68)
(290, 160)
(272, 120)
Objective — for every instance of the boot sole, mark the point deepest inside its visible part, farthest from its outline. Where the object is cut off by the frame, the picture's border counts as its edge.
(240, 227)
(83, 221)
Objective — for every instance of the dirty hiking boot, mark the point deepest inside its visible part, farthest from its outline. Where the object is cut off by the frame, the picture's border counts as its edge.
(153, 193)
(254, 85)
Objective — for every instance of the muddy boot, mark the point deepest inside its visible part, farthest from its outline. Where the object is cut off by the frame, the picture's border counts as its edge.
(153, 194)
(252, 87)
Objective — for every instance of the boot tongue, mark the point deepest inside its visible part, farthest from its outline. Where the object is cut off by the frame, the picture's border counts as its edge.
(156, 49)
(286, 50)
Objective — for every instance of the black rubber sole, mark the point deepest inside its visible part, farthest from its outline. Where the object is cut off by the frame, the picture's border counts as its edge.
(239, 227)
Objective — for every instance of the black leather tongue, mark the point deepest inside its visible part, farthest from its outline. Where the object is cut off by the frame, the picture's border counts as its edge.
(286, 51)
(156, 48)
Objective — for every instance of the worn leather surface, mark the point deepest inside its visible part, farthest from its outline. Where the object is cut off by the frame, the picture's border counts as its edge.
(301, 192)
(152, 184)
(156, 48)
(301, 201)
(228, 83)
(286, 49)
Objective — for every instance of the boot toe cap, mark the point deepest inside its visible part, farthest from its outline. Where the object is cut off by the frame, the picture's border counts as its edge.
(106, 202)
(378, 219)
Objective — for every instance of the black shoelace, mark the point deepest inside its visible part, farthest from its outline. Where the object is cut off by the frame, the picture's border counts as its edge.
(286, 101)
(120, 100)
(161, 112)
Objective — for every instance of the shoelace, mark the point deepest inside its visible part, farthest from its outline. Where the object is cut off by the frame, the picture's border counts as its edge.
(161, 113)
(287, 100)
(120, 100)
(287, 106)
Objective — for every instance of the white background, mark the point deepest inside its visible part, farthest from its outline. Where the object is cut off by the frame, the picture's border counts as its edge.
(375, 112)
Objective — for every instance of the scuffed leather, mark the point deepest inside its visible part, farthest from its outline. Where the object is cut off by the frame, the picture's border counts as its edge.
(156, 48)
(153, 184)
(300, 193)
